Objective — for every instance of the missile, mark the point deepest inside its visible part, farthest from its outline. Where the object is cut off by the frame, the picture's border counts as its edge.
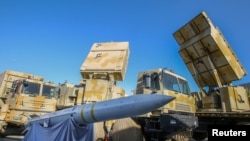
(112, 109)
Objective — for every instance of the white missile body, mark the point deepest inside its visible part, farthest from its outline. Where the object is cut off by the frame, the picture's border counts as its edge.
(128, 106)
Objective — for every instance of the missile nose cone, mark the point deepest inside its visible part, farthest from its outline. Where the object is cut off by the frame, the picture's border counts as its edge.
(160, 99)
(148, 102)
(166, 99)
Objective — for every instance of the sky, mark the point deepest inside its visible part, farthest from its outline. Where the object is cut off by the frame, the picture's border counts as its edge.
(51, 38)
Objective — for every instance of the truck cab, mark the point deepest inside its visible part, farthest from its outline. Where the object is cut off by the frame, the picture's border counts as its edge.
(168, 83)
(23, 97)
(175, 117)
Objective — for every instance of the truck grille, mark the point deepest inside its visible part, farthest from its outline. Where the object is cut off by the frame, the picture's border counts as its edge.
(182, 107)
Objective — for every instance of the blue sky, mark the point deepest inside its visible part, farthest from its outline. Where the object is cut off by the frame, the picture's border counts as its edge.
(51, 38)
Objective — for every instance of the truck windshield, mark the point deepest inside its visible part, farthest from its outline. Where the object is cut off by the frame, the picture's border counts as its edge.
(48, 91)
(184, 86)
(31, 88)
(173, 83)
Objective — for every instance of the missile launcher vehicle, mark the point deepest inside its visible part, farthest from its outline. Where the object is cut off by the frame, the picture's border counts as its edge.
(174, 120)
(23, 96)
(214, 67)
(105, 64)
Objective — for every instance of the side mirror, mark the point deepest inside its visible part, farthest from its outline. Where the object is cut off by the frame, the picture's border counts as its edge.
(25, 83)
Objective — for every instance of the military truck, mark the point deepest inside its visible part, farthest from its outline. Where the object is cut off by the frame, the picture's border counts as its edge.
(175, 120)
(214, 67)
(105, 64)
(23, 96)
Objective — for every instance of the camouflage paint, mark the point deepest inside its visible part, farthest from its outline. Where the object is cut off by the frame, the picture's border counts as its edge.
(182, 103)
(109, 58)
(206, 53)
(18, 107)
(213, 64)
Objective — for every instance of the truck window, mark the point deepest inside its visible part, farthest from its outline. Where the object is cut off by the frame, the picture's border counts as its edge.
(174, 83)
(184, 86)
(31, 88)
(170, 82)
(48, 91)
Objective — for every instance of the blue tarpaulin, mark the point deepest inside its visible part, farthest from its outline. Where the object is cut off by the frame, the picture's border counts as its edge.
(66, 130)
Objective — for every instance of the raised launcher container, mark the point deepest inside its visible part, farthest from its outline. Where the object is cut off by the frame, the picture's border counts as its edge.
(107, 59)
(207, 54)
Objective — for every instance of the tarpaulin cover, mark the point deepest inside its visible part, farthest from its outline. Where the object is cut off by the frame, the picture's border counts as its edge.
(66, 130)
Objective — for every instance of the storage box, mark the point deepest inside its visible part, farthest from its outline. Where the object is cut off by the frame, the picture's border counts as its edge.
(109, 59)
